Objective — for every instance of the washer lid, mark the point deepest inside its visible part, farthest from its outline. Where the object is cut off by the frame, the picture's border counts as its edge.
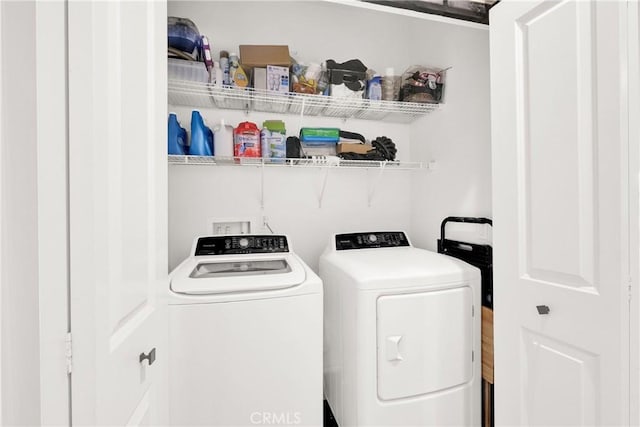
(204, 275)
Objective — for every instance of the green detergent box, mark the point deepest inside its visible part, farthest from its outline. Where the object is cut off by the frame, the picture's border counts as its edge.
(274, 139)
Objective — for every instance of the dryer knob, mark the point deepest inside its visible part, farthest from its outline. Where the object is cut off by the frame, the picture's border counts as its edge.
(244, 242)
(373, 238)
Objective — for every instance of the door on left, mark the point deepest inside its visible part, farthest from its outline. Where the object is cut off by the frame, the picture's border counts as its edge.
(118, 224)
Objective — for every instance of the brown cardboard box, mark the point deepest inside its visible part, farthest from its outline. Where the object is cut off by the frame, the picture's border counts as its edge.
(346, 147)
(263, 55)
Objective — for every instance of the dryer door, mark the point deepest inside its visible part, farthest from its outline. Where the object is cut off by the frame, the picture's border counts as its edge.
(425, 342)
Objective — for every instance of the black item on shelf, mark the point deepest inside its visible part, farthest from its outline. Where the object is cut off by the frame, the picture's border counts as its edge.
(294, 149)
(352, 135)
(478, 255)
(371, 155)
(352, 74)
(385, 147)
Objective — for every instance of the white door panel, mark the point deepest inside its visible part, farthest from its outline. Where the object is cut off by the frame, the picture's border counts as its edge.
(118, 209)
(573, 374)
(560, 212)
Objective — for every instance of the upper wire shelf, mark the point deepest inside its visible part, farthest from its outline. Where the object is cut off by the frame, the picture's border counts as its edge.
(204, 95)
(317, 162)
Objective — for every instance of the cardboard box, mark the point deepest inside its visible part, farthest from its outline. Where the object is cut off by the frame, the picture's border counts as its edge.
(263, 55)
(345, 147)
(277, 79)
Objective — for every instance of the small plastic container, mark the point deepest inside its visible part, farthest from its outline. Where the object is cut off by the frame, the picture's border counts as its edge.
(327, 149)
(177, 137)
(390, 85)
(180, 69)
(320, 135)
(201, 136)
(246, 140)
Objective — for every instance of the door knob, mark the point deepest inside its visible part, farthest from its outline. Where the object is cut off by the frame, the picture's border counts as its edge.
(543, 309)
(151, 357)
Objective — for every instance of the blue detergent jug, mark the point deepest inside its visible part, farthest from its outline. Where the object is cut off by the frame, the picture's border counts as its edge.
(177, 136)
(201, 136)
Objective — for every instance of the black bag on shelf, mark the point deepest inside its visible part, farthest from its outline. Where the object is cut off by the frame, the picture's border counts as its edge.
(293, 147)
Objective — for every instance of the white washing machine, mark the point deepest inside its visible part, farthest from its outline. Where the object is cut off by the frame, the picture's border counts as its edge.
(245, 320)
(401, 333)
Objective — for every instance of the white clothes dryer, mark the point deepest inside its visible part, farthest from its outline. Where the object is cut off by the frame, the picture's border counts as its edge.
(401, 333)
(245, 335)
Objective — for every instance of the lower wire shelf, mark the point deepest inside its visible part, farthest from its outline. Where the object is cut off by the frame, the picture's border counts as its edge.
(314, 162)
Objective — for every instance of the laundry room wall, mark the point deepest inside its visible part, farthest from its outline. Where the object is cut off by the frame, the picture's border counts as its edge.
(353, 199)
(457, 139)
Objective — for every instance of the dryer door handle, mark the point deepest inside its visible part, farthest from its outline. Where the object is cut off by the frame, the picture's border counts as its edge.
(393, 348)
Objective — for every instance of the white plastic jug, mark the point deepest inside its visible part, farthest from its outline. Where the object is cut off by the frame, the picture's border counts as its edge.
(223, 140)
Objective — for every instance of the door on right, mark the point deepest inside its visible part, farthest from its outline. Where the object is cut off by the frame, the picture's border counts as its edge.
(561, 212)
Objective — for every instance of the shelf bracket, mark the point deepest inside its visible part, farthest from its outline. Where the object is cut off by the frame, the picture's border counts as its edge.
(262, 185)
(374, 185)
(324, 186)
(301, 119)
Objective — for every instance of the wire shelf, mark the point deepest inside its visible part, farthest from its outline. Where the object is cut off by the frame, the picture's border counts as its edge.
(204, 95)
(316, 162)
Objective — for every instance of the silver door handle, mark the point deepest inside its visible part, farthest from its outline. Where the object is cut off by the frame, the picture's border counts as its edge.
(151, 357)
(543, 309)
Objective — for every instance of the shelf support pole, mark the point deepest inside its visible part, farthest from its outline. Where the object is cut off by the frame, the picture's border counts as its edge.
(324, 186)
(373, 187)
(301, 120)
(262, 184)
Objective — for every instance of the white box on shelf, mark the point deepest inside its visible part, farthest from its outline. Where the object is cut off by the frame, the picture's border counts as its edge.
(277, 79)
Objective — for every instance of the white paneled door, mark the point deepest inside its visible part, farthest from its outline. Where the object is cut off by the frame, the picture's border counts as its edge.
(118, 227)
(561, 212)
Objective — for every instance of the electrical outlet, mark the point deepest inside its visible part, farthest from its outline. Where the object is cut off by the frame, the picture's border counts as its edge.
(231, 226)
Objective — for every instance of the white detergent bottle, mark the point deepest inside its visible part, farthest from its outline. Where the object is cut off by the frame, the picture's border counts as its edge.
(223, 140)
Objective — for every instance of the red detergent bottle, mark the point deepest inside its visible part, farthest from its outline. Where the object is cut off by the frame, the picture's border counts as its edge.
(246, 140)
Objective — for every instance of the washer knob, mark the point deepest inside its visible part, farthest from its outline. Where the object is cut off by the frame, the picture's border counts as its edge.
(373, 238)
(244, 242)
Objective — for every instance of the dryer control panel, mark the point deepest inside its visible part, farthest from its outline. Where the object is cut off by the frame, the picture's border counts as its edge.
(385, 239)
(241, 244)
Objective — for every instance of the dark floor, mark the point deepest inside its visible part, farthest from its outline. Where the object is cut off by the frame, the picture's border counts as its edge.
(329, 421)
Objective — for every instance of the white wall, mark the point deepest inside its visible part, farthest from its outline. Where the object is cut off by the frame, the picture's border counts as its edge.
(457, 138)
(316, 31)
(19, 229)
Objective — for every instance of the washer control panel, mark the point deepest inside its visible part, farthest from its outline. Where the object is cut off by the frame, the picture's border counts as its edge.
(242, 244)
(386, 239)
